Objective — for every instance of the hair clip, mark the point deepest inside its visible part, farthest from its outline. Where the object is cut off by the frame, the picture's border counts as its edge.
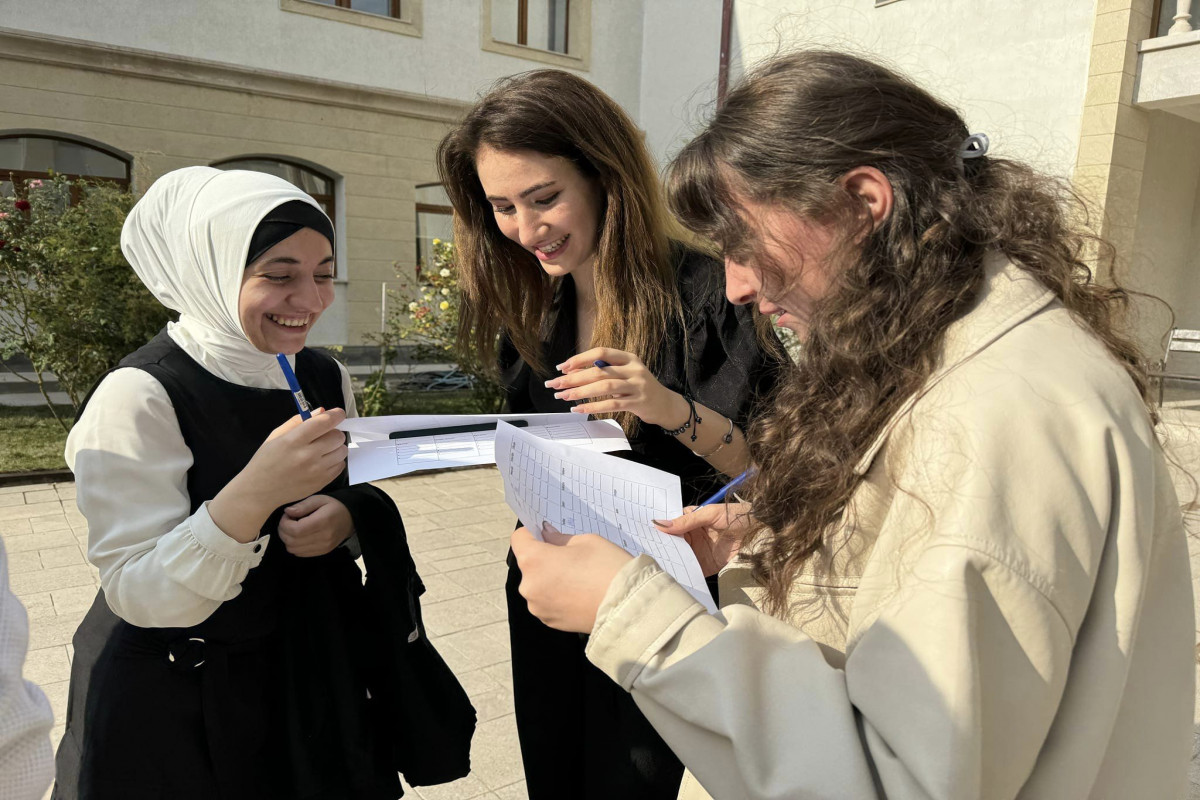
(974, 146)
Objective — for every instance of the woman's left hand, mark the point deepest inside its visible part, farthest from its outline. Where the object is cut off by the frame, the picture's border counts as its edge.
(564, 578)
(625, 385)
(315, 526)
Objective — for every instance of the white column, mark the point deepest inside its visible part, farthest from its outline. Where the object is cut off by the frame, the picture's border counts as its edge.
(1183, 15)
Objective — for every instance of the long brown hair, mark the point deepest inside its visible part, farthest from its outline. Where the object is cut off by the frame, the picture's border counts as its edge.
(785, 137)
(504, 289)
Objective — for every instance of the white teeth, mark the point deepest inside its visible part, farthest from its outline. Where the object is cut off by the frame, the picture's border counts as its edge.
(550, 248)
(289, 323)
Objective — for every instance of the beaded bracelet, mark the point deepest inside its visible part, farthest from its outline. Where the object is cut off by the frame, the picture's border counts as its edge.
(693, 418)
(726, 439)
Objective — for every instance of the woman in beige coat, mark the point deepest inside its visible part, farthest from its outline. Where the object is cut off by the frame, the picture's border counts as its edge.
(963, 572)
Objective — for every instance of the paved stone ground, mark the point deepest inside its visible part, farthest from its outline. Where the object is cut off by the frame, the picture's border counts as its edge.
(458, 527)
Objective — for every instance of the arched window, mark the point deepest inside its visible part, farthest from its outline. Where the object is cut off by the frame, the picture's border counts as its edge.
(317, 184)
(28, 155)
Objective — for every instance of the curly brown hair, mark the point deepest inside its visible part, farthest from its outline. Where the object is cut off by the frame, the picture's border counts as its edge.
(783, 139)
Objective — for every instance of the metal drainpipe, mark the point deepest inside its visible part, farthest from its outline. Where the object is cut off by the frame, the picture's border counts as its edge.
(723, 67)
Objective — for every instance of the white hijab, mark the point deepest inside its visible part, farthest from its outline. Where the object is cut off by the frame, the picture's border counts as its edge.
(187, 238)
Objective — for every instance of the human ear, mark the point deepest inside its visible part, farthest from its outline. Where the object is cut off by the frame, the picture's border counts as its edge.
(873, 190)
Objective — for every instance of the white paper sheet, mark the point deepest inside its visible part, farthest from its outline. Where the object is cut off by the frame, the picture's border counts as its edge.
(581, 491)
(373, 455)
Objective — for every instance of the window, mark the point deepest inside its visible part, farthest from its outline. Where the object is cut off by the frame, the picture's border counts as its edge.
(317, 184)
(554, 32)
(29, 156)
(435, 219)
(542, 24)
(394, 16)
(382, 8)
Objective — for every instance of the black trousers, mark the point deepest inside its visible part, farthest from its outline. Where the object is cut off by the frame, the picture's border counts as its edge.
(582, 736)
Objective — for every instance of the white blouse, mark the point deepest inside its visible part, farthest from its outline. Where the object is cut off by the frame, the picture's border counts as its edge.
(160, 565)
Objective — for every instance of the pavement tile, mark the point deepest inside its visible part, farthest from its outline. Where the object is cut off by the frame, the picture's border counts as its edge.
(478, 534)
(76, 598)
(476, 682)
(485, 645)
(41, 496)
(441, 587)
(496, 754)
(498, 598)
(449, 553)
(12, 499)
(50, 579)
(37, 606)
(14, 527)
(424, 565)
(31, 510)
(57, 694)
(462, 562)
(26, 561)
(436, 538)
(459, 614)
(455, 518)
(501, 673)
(66, 491)
(417, 505)
(483, 578)
(54, 522)
(62, 556)
(54, 630)
(514, 791)
(455, 659)
(498, 548)
(47, 665)
(492, 704)
(13, 489)
(38, 541)
(467, 788)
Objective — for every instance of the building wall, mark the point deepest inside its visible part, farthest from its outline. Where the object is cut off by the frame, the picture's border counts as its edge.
(1167, 238)
(378, 155)
(1017, 70)
(445, 61)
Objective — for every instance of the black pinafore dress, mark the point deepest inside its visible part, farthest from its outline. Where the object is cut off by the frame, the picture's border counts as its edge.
(267, 698)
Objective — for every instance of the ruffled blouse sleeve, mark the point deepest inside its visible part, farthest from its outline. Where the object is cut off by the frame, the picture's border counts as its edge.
(160, 564)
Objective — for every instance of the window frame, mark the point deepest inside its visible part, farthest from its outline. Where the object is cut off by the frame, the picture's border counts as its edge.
(21, 177)
(407, 24)
(426, 208)
(578, 37)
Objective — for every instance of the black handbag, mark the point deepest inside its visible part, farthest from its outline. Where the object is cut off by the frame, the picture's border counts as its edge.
(424, 709)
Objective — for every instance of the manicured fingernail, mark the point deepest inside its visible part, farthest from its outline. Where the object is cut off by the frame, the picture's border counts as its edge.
(559, 366)
(578, 410)
(559, 395)
(662, 523)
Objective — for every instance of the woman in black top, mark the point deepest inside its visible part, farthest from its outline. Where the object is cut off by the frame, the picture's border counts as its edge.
(572, 282)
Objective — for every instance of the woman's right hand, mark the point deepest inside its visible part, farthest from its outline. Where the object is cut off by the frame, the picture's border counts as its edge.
(714, 532)
(298, 459)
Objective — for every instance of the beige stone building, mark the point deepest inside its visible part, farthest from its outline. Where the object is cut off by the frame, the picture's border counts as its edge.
(346, 98)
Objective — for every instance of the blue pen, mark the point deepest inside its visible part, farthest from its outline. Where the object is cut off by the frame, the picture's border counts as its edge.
(294, 385)
(601, 364)
(724, 490)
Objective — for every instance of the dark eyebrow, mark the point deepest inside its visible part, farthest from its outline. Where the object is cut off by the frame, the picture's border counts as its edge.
(281, 260)
(525, 193)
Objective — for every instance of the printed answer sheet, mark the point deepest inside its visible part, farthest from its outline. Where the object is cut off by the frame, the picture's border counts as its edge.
(374, 455)
(581, 491)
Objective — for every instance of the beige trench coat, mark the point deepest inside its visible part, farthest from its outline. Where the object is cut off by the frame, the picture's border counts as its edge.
(1017, 622)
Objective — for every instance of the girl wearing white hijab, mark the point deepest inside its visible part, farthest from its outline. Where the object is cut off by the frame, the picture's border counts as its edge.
(235, 665)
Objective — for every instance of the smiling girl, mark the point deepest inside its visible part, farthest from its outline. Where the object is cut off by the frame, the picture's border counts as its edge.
(965, 573)
(565, 261)
(217, 661)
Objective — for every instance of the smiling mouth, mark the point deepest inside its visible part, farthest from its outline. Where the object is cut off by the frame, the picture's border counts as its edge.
(290, 322)
(554, 246)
